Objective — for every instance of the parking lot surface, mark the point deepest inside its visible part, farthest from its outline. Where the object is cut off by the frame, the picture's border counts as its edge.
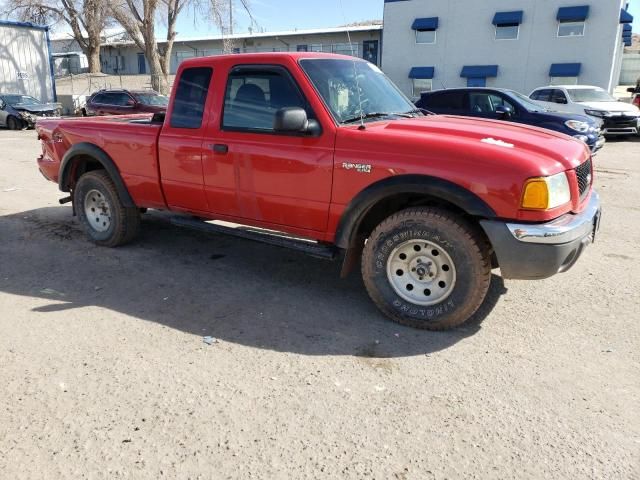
(105, 373)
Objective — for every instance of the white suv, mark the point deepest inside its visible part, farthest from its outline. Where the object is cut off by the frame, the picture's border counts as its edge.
(619, 118)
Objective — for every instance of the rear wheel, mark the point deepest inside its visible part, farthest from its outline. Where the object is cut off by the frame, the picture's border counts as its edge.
(427, 268)
(103, 217)
(14, 123)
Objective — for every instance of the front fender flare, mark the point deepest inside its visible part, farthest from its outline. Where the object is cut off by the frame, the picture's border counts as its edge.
(94, 152)
(406, 184)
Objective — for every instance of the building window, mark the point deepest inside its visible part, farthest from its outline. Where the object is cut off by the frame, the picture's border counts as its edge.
(564, 81)
(421, 85)
(571, 29)
(507, 32)
(425, 36)
(302, 48)
(475, 82)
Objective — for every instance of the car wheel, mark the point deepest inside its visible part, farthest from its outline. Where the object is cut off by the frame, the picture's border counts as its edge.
(14, 123)
(103, 217)
(427, 268)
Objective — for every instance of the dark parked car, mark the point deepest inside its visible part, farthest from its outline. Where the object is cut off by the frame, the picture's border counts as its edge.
(125, 102)
(502, 104)
(21, 111)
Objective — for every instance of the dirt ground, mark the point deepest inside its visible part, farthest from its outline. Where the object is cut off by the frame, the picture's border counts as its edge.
(104, 372)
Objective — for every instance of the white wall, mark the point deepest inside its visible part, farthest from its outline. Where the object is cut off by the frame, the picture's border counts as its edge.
(24, 62)
(466, 36)
(183, 49)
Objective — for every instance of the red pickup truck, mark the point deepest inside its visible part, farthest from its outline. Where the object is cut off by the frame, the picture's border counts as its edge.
(323, 153)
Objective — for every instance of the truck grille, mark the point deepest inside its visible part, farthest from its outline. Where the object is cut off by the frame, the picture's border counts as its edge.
(583, 174)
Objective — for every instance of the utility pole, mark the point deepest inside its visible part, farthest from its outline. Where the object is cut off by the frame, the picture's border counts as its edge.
(230, 17)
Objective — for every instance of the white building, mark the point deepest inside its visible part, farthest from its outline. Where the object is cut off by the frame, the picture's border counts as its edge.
(25, 62)
(517, 44)
(125, 58)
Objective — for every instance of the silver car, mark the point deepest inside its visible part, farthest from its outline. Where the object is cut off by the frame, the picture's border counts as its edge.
(21, 111)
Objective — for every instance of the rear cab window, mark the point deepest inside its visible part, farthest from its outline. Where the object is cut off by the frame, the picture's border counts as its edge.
(190, 98)
(542, 95)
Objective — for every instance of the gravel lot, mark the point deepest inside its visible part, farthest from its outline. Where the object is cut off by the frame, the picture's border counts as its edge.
(105, 374)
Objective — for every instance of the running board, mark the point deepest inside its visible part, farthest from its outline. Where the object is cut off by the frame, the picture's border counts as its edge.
(270, 237)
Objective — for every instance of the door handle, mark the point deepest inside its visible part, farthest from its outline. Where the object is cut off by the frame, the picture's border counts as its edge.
(220, 148)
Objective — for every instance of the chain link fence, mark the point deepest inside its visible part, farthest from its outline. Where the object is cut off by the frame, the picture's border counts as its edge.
(86, 83)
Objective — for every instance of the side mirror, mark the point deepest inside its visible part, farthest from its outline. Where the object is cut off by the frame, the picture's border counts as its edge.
(294, 120)
(561, 101)
(504, 111)
(2, 105)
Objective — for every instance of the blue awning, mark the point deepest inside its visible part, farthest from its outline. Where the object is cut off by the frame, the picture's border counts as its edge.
(626, 28)
(573, 14)
(628, 42)
(479, 71)
(422, 72)
(625, 17)
(565, 70)
(424, 24)
(508, 18)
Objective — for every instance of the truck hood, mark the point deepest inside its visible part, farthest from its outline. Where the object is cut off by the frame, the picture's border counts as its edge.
(614, 107)
(41, 108)
(539, 149)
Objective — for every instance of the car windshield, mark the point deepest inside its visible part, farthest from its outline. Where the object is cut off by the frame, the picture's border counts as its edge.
(527, 103)
(356, 89)
(20, 99)
(152, 98)
(589, 95)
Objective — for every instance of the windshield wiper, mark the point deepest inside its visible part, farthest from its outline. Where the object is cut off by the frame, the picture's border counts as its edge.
(367, 116)
(412, 113)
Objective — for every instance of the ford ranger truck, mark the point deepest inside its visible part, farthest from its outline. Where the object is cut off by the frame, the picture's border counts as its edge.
(325, 153)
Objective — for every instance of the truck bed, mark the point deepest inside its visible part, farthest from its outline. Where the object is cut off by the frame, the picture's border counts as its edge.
(132, 139)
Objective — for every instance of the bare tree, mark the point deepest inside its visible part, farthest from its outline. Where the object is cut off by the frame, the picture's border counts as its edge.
(86, 18)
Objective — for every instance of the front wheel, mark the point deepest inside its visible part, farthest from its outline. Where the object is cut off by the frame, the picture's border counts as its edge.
(427, 268)
(102, 215)
(14, 123)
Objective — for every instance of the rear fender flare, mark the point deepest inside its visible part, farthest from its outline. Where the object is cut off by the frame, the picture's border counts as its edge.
(95, 153)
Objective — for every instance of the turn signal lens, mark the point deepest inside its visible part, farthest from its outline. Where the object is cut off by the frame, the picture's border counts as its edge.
(536, 194)
(544, 193)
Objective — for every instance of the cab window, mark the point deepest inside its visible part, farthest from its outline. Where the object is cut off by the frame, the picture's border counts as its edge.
(255, 94)
(190, 97)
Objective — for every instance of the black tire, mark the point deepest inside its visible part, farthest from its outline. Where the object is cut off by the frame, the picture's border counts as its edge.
(123, 223)
(14, 123)
(457, 238)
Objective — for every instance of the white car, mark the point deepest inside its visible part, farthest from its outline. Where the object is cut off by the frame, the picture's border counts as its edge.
(619, 118)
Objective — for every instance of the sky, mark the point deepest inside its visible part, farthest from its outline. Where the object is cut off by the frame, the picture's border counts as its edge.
(634, 9)
(277, 15)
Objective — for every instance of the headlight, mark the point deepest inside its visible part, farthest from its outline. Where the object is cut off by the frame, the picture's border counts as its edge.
(597, 113)
(544, 193)
(577, 125)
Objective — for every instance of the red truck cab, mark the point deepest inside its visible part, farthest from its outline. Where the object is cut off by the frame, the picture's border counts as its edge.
(326, 149)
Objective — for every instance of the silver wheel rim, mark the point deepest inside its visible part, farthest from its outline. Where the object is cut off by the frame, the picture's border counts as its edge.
(421, 272)
(97, 210)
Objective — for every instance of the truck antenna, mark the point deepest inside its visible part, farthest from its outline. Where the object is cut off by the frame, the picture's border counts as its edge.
(355, 69)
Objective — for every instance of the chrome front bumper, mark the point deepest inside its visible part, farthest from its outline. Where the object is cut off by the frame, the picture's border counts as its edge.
(540, 250)
(565, 229)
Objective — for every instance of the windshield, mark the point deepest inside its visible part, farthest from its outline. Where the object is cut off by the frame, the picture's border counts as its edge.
(349, 96)
(527, 103)
(20, 99)
(589, 95)
(152, 99)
